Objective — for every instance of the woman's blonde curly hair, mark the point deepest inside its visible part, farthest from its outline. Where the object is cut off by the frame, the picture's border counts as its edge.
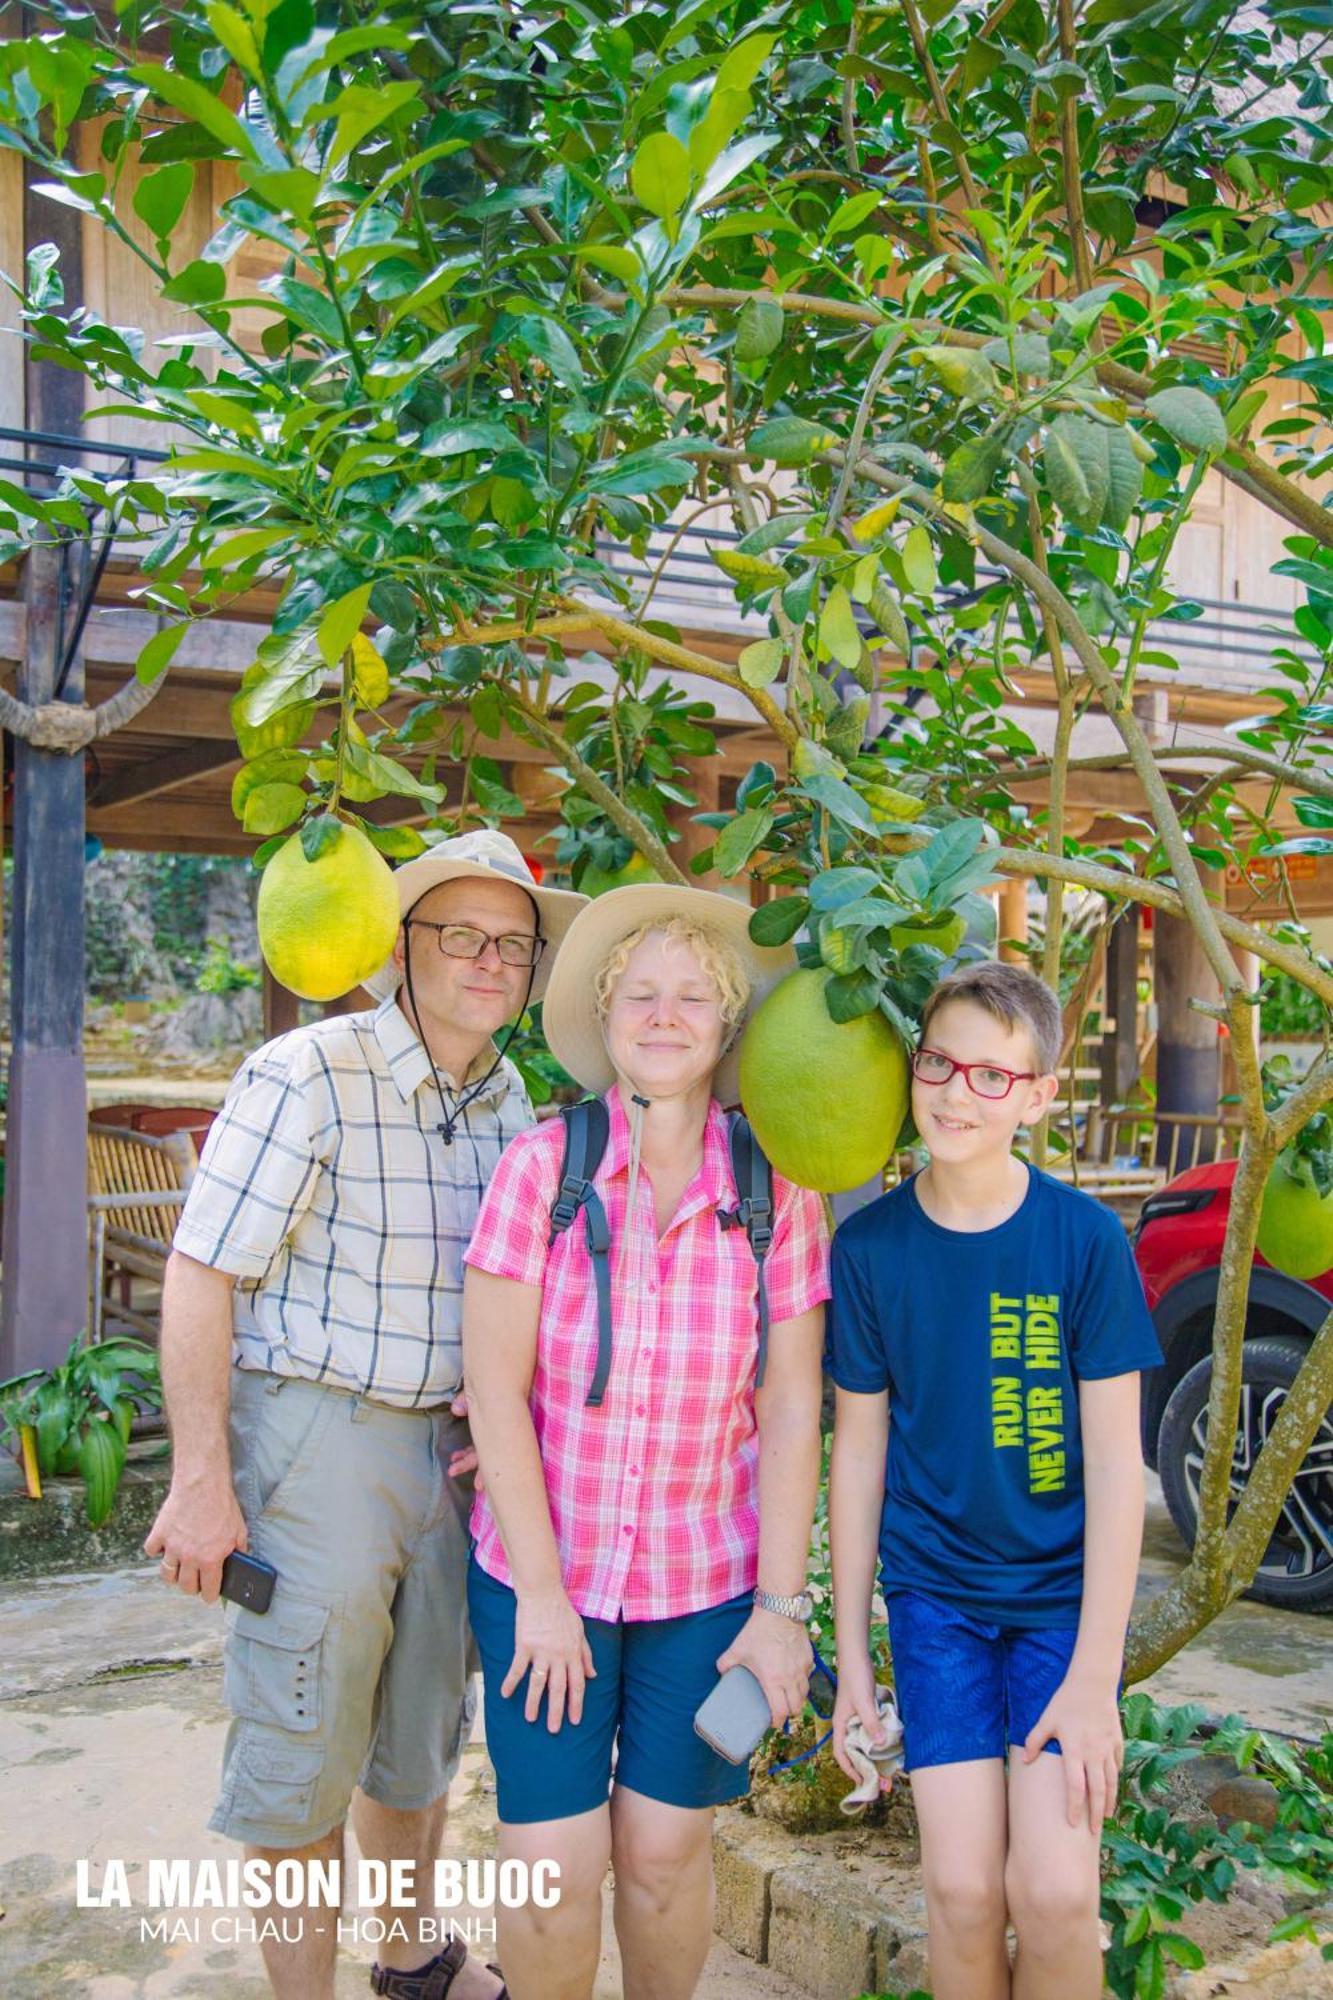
(716, 957)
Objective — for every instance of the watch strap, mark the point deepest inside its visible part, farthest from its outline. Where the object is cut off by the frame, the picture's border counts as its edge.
(798, 1607)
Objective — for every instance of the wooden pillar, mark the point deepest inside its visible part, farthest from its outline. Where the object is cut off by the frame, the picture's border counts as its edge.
(1013, 919)
(1119, 1049)
(282, 1009)
(45, 1290)
(1189, 1068)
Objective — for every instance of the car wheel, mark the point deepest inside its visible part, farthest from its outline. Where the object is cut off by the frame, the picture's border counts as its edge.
(1297, 1567)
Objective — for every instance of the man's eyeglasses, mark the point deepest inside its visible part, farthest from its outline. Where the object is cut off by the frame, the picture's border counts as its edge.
(984, 1079)
(466, 941)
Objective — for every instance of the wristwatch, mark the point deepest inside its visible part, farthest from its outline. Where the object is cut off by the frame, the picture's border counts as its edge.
(800, 1607)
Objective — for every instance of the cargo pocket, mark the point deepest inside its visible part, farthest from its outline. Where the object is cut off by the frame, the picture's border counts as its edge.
(273, 1664)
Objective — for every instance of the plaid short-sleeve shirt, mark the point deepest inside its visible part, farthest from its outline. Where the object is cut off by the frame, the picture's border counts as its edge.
(327, 1191)
(654, 1495)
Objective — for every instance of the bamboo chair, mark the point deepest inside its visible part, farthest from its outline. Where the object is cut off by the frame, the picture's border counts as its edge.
(137, 1185)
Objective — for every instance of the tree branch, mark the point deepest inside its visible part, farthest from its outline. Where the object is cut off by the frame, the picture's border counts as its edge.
(1240, 464)
(1238, 756)
(622, 817)
(1048, 594)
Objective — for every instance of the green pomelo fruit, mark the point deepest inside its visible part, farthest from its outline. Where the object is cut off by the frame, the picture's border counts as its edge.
(595, 881)
(326, 925)
(826, 1098)
(946, 936)
(1296, 1225)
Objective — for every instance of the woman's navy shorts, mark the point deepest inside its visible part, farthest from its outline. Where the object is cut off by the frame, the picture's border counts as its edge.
(651, 1677)
(965, 1689)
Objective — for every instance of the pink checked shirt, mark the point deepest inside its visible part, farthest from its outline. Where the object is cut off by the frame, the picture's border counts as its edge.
(654, 1496)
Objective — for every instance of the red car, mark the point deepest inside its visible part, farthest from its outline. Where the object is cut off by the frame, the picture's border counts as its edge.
(1178, 1245)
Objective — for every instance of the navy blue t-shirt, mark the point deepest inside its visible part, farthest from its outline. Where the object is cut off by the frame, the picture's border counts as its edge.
(981, 1341)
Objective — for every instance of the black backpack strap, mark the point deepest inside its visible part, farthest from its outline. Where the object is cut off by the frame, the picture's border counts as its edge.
(587, 1130)
(753, 1212)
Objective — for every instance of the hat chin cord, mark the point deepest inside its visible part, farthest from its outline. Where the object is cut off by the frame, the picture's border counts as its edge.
(451, 1118)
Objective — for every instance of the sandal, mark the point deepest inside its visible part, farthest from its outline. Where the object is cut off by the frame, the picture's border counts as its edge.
(431, 1982)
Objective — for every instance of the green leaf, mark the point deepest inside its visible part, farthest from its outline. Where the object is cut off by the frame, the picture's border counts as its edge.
(850, 214)
(450, 440)
(742, 64)
(388, 775)
(918, 560)
(101, 1462)
(548, 341)
(198, 104)
(887, 614)
(660, 174)
(400, 843)
(1078, 474)
(759, 329)
(964, 371)
(839, 634)
(738, 841)
(789, 440)
(271, 808)
(273, 767)
(199, 284)
(612, 257)
(849, 995)
(310, 309)
(339, 623)
(1124, 479)
(771, 534)
(727, 112)
(778, 922)
(761, 662)
(970, 468)
(160, 199)
(1031, 354)
(1192, 418)
(157, 654)
(839, 799)
(320, 835)
(237, 38)
(1183, 1950)
(751, 572)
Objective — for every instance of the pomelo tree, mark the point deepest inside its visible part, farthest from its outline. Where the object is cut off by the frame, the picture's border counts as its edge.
(907, 298)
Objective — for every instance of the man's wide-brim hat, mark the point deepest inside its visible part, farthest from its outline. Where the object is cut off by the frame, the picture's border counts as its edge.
(570, 1020)
(484, 856)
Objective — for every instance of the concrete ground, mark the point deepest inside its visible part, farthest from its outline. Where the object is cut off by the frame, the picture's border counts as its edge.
(111, 1725)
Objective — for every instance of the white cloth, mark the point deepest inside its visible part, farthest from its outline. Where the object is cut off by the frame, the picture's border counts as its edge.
(874, 1761)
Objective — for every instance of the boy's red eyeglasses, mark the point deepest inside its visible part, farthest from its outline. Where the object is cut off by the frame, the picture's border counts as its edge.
(984, 1079)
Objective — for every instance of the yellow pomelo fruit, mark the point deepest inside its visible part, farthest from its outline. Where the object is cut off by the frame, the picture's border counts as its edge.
(826, 1098)
(946, 935)
(595, 881)
(326, 925)
(1296, 1225)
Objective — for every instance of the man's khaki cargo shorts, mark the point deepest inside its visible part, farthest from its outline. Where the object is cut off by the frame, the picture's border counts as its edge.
(361, 1670)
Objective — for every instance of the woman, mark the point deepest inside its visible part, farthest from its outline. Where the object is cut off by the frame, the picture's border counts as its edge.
(619, 1543)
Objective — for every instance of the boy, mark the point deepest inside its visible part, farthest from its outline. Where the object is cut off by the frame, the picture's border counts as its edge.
(1001, 1314)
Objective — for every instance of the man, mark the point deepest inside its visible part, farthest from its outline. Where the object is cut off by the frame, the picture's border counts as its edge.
(312, 1363)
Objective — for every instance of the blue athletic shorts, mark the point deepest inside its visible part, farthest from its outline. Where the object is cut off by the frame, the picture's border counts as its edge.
(651, 1677)
(965, 1689)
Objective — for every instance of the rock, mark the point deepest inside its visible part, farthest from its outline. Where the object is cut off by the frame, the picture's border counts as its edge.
(212, 1024)
(1217, 1786)
(1253, 1800)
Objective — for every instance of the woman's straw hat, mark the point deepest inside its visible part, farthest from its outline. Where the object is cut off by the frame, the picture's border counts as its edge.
(570, 1020)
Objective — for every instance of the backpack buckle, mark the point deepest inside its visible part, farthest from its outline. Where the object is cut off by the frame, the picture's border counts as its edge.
(755, 1214)
(573, 1193)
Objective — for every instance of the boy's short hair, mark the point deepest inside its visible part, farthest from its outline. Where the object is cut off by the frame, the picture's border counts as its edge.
(1011, 994)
